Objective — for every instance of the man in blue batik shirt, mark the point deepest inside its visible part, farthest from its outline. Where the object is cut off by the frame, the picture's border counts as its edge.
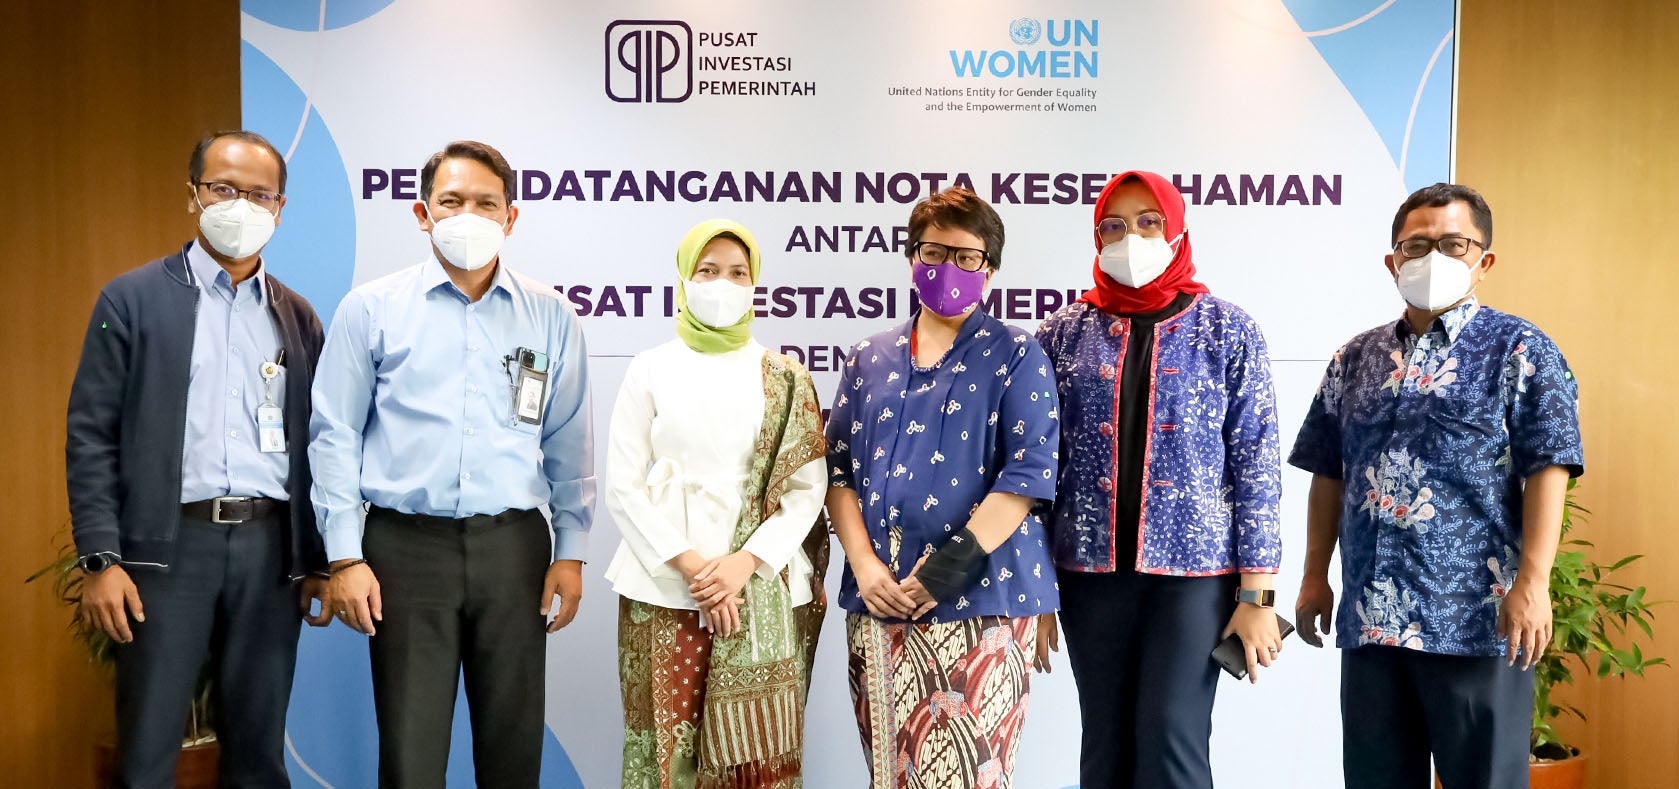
(1441, 446)
(453, 398)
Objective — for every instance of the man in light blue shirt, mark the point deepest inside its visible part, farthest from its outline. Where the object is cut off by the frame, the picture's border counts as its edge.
(453, 398)
(232, 338)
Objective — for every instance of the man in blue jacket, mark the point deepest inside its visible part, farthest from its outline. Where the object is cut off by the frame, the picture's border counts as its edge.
(189, 478)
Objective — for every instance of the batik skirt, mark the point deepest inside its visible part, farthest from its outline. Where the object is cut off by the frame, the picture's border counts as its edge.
(664, 657)
(940, 706)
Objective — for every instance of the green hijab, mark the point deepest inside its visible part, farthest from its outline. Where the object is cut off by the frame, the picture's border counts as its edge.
(700, 337)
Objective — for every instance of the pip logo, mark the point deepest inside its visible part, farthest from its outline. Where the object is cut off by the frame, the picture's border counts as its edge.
(649, 60)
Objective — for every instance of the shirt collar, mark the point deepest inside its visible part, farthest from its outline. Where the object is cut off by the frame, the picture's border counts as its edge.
(971, 326)
(432, 277)
(206, 272)
(1450, 323)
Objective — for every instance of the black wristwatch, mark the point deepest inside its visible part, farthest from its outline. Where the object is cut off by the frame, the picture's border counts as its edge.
(1264, 598)
(96, 563)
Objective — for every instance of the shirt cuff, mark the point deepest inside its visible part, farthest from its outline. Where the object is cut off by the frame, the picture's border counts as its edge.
(1025, 483)
(1317, 466)
(1571, 460)
(342, 543)
(571, 545)
(767, 569)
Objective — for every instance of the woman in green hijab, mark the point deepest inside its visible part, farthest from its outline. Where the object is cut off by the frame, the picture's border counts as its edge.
(716, 478)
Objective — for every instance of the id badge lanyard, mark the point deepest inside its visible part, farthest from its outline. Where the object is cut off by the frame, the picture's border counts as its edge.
(527, 373)
(271, 419)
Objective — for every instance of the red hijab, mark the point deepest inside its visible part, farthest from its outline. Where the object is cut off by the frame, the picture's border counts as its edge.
(1179, 277)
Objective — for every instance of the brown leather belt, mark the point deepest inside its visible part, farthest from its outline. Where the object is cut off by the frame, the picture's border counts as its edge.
(232, 509)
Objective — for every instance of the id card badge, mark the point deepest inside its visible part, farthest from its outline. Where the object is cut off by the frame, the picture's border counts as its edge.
(271, 428)
(530, 386)
(271, 420)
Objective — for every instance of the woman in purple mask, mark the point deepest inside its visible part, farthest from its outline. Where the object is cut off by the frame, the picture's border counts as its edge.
(941, 447)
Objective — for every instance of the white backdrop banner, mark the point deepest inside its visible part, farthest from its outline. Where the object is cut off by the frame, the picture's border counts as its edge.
(1293, 127)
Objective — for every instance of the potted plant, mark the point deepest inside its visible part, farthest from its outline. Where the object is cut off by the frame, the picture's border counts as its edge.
(200, 754)
(1592, 615)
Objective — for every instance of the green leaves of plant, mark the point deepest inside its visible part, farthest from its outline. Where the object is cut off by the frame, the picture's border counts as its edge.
(1589, 616)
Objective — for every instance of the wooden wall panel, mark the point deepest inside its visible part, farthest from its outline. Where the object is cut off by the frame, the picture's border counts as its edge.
(102, 104)
(1569, 124)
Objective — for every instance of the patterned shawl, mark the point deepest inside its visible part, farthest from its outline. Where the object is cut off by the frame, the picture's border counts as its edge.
(752, 727)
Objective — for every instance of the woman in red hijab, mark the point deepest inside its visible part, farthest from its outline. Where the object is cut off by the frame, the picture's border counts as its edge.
(1164, 528)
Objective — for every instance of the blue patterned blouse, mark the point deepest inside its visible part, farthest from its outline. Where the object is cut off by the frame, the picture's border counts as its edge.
(923, 446)
(1212, 477)
(1434, 436)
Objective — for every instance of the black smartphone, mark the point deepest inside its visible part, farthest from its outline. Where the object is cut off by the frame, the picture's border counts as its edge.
(1230, 656)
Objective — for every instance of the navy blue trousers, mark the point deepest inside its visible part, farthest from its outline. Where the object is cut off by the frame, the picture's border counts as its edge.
(1140, 645)
(224, 600)
(1398, 706)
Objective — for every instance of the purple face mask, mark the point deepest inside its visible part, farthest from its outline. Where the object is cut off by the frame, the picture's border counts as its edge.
(947, 290)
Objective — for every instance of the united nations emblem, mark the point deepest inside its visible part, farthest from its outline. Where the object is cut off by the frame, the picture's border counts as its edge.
(1025, 31)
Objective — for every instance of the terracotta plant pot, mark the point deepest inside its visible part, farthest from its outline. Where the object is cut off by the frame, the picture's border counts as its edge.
(196, 768)
(1558, 774)
(1561, 774)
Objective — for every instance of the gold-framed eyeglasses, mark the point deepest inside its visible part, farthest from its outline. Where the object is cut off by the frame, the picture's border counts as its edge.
(1148, 224)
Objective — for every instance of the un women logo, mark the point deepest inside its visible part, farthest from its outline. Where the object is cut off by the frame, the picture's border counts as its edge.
(1025, 31)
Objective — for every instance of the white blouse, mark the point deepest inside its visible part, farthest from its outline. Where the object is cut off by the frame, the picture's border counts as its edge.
(680, 449)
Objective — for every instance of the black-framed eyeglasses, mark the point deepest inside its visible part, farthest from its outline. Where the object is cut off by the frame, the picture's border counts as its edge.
(1450, 246)
(966, 258)
(261, 198)
(1148, 224)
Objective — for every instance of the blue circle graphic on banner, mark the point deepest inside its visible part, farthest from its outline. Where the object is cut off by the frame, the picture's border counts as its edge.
(295, 15)
(1396, 60)
(314, 249)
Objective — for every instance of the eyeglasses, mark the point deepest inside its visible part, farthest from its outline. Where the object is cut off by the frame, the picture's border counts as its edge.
(967, 258)
(261, 198)
(1149, 224)
(1450, 246)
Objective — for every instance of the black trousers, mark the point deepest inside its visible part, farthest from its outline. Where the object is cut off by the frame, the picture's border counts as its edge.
(1139, 645)
(1398, 706)
(458, 598)
(225, 600)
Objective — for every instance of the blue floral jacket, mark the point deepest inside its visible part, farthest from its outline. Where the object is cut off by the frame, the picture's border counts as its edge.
(1212, 474)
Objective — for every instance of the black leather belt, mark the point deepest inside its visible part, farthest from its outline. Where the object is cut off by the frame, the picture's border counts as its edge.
(469, 522)
(232, 509)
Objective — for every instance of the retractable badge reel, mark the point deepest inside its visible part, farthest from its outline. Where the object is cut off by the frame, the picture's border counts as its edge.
(271, 420)
(528, 371)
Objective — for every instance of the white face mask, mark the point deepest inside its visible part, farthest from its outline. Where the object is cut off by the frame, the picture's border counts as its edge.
(718, 303)
(468, 241)
(236, 228)
(1135, 261)
(1434, 282)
